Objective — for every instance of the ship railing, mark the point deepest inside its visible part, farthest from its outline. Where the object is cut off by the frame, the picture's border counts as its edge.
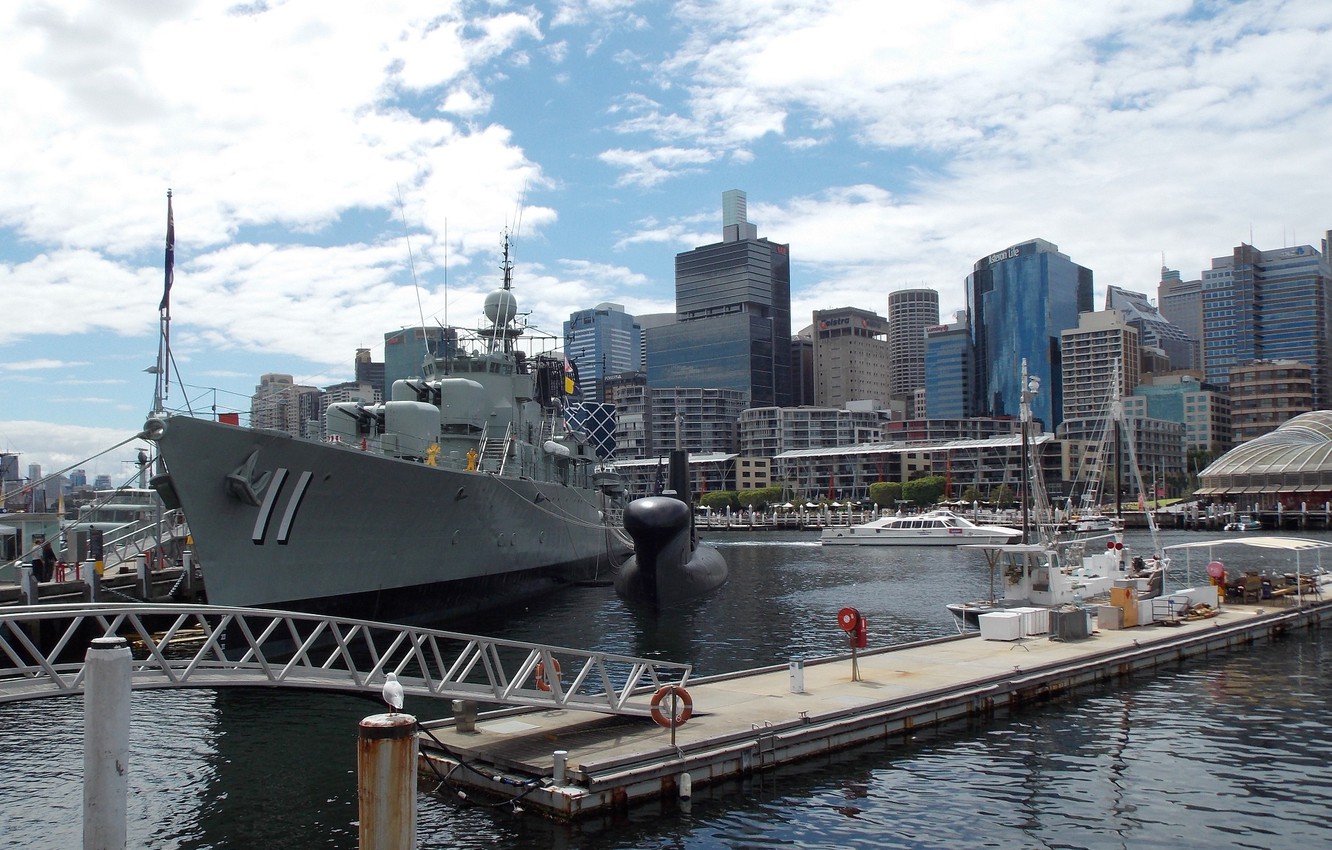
(138, 537)
(205, 646)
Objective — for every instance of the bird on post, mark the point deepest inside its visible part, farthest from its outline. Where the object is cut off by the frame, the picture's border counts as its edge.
(392, 693)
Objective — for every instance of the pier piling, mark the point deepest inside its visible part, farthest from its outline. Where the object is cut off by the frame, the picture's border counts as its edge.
(106, 725)
(386, 755)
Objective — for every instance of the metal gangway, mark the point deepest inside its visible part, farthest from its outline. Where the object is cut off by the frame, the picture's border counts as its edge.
(42, 652)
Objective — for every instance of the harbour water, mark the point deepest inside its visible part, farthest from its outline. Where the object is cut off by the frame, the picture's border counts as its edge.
(1228, 752)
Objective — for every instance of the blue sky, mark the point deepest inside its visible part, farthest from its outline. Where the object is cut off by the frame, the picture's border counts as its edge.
(891, 144)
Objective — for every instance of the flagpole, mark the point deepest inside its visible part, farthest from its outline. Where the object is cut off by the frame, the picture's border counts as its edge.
(164, 314)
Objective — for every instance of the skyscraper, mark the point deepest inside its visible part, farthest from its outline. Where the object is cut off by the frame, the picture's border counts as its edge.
(910, 312)
(1019, 299)
(602, 341)
(1154, 330)
(733, 308)
(1180, 302)
(1269, 305)
(949, 369)
(851, 356)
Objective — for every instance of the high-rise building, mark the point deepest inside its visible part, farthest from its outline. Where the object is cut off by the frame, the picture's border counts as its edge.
(910, 312)
(1018, 301)
(405, 351)
(281, 404)
(851, 356)
(948, 370)
(733, 306)
(602, 341)
(1198, 406)
(1266, 393)
(802, 367)
(1269, 305)
(1155, 332)
(1100, 361)
(370, 372)
(1180, 302)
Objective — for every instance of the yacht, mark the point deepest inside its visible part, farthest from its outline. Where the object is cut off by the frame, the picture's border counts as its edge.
(936, 528)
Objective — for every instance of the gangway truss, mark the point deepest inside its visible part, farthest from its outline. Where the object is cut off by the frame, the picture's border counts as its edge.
(205, 646)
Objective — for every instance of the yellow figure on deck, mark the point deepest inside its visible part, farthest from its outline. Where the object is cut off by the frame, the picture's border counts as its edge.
(432, 454)
(471, 460)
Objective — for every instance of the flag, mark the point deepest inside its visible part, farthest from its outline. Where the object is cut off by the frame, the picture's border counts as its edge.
(170, 256)
(571, 385)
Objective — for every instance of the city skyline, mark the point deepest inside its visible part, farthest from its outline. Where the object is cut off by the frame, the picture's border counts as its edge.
(888, 154)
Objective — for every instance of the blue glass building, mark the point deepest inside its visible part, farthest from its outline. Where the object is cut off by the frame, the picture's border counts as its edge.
(1019, 299)
(948, 370)
(1269, 305)
(602, 341)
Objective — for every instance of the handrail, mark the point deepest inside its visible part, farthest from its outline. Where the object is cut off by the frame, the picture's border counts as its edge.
(205, 646)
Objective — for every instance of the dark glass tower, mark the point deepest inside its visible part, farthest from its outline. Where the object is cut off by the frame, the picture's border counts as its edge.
(1019, 300)
(733, 308)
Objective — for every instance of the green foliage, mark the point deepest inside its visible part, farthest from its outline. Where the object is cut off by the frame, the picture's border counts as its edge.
(885, 493)
(760, 499)
(1002, 496)
(971, 494)
(925, 491)
(720, 500)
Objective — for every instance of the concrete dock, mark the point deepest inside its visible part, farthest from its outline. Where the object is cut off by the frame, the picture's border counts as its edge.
(752, 721)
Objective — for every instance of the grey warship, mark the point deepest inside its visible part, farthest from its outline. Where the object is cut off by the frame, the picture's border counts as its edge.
(464, 492)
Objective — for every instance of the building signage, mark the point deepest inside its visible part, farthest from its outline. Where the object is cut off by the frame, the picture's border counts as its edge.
(1005, 255)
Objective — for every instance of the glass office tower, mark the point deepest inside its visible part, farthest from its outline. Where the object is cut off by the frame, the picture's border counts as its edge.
(1019, 299)
(733, 308)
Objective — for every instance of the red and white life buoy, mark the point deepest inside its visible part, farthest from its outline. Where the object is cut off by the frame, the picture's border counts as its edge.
(662, 709)
(543, 682)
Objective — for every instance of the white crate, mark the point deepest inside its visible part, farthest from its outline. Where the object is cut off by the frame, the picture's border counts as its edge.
(1000, 625)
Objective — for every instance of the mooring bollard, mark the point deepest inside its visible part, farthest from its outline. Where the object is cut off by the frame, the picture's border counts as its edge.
(797, 671)
(561, 763)
(29, 585)
(106, 725)
(386, 755)
(464, 715)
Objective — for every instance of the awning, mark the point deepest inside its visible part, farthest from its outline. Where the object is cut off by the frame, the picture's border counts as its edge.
(1206, 491)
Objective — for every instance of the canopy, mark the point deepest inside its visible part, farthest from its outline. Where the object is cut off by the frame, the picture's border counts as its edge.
(1287, 543)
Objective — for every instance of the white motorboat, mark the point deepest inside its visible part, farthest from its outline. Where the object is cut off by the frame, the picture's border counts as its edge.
(1096, 524)
(936, 528)
(1246, 522)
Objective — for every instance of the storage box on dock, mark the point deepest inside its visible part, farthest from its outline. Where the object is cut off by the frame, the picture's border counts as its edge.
(1072, 623)
(1109, 617)
(1000, 625)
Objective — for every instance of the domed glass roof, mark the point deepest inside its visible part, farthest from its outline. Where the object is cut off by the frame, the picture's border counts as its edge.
(1296, 457)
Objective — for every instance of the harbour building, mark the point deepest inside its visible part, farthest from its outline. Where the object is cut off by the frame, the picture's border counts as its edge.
(279, 403)
(910, 312)
(1203, 409)
(851, 356)
(602, 341)
(1290, 466)
(1018, 300)
(406, 350)
(733, 315)
(1269, 305)
(769, 431)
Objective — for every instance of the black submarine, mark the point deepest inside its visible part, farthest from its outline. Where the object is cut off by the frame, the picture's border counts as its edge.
(669, 564)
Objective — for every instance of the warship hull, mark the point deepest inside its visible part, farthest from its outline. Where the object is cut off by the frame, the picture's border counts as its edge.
(288, 523)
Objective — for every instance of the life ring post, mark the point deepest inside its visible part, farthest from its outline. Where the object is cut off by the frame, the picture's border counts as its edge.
(671, 707)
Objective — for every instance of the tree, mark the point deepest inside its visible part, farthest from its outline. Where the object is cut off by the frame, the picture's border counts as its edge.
(924, 491)
(1002, 496)
(760, 499)
(885, 494)
(971, 494)
(720, 500)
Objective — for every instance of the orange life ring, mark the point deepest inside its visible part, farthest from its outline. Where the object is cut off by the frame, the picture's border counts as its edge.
(543, 683)
(683, 702)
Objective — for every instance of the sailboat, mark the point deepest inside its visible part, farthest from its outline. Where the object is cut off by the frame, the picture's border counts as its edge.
(1060, 568)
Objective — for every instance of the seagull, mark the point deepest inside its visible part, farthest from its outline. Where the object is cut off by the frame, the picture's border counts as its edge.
(392, 693)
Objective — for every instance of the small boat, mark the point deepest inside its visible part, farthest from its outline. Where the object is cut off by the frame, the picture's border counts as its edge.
(1246, 522)
(1096, 524)
(1050, 575)
(936, 528)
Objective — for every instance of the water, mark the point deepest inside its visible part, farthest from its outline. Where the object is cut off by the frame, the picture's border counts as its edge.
(1228, 752)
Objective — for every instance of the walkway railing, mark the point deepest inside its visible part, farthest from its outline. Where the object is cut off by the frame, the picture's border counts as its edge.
(202, 646)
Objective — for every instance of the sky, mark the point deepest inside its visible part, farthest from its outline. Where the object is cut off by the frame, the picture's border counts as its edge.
(340, 170)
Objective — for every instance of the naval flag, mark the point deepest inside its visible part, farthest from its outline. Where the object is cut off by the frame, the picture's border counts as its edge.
(170, 256)
(571, 384)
